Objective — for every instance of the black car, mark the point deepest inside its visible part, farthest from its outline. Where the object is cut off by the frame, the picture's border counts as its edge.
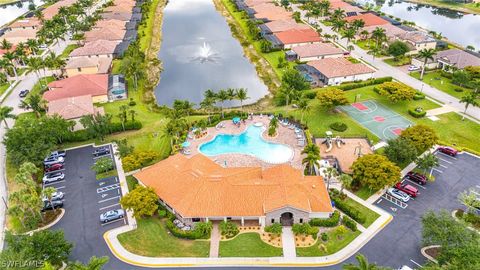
(100, 151)
(24, 93)
(53, 205)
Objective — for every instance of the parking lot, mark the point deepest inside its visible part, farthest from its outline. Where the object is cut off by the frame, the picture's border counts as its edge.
(400, 242)
(85, 199)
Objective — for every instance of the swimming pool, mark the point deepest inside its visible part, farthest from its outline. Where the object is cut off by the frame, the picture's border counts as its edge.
(249, 142)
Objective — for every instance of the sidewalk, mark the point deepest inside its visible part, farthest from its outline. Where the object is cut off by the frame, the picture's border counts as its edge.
(287, 260)
(288, 240)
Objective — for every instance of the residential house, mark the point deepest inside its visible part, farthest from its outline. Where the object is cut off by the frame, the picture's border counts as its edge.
(281, 26)
(117, 24)
(20, 35)
(350, 10)
(334, 71)
(73, 108)
(86, 65)
(122, 8)
(96, 49)
(418, 40)
(197, 189)
(111, 34)
(28, 23)
(52, 10)
(370, 19)
(273, 15)
(317, 51)
(292, 38)
(122, 16)
(95, 85)
(391, 31)
(450, 60)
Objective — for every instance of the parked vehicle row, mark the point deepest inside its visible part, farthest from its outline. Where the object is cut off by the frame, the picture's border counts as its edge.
(101, 151)
(53, 163)
(404, 191)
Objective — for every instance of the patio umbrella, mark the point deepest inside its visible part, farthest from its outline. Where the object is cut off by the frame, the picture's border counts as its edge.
(236, 119)
(185, 144)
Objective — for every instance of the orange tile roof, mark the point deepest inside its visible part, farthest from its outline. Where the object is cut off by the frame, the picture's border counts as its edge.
(198, 187)
(73, 107)
(105, 34)
(112, 23)
(30, 22)
(52, 10)
(97, 47)
(284, 25)
(274, 14)
(369, 19)
(344, 6)
(339, 67)
(252, 3)
(318, 49)
(119, 8)
(298, 36)
(79, 85)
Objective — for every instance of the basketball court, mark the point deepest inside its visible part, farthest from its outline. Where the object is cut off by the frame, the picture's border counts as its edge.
(380, 120)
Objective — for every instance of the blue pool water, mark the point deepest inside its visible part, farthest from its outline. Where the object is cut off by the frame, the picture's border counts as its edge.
(249, 142)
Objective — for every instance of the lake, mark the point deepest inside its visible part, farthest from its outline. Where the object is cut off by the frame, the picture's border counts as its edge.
(458, 27)
(198, 53)
(10, 12)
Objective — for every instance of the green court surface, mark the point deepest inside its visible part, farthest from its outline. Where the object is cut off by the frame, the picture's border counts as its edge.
(381, 121)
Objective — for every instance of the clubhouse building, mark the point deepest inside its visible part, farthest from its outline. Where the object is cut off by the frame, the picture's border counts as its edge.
(197, 189)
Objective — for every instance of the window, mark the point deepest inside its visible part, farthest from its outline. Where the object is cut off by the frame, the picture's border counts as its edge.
(273, 220)
(301, 220)
(229, 218)
(79, 69)
(196, 219)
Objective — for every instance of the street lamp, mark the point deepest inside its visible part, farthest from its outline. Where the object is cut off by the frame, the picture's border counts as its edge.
(421, 90)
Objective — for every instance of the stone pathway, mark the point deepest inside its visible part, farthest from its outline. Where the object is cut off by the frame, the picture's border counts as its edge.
(288, 241)
(214, 241)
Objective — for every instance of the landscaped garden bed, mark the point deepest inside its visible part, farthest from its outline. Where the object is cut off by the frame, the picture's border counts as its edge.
(152, 239)
(336, 239)
(248, 245)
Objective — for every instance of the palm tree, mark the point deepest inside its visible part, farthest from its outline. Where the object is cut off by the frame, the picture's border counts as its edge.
(357, 24)
(469, 199)
(363, 264)
(5, 45)
(338, 25)
(210, 94)
(54, 62)
(5, 113)
(330, 172)
(364, 34)
(310, 161)
(338, 14)
(222, 96)
(311, 148)
(350, 48)
(231, 94)
(469, 99)
(242, 95)
(207, 105)
(378, 34)
(425, 54)
(426, 162)
(95, 263)
(35, 103)
(11, 57)
(32, 45)
(324, 6)
(48, 193)
(132, 113)
(349, 34)
(346, 180)
(303, 106)
(35, 64)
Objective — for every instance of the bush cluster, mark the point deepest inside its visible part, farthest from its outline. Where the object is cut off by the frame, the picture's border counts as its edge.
(326, 222)
(418, 96)
(305, 228)
(417, 114)
(138, 160)
(351, 86)
(343, 206)
(275, 228)
(338, 126)
(349, 223)
(228, 229)
(472, 219)
(202, 230)
(83, 135)
(324, 237)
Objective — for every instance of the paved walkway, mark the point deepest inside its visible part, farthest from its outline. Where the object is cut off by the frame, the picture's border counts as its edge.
(214, 241)
(384, 69)
(441, 110)
(288, 242)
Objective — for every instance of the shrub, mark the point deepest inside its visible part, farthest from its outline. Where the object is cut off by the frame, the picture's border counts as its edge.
(459, 90)
(310, 94)
(275, 228)
(417, 113)
(228, 229)
(324, 237)
(351, 86)
(202, 230)
(326, 222)
(138, 160)
(459, 213)
(132, 102)
(349, 223)
(395, 91)
(418, 96)
(338, 126)
(348, 210)
(305, 228)
(162, 213)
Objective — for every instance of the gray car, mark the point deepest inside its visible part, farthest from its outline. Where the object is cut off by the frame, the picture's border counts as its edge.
(52, 177)
(112, 215)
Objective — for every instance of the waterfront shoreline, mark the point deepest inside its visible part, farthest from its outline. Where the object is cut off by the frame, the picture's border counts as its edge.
(438, 4)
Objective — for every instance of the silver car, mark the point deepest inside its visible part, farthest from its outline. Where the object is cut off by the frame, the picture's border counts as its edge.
(398, 194)
(112, 215)
(56, 196)
(52, 177)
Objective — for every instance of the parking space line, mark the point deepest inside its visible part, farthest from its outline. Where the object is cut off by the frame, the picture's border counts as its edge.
(444, 160)
(60, 187)
(445, 155)
(379, 200)
(443, 166)
(113, 221)
(394, 201)
(108, 188)
(435, 169)
(109, 199)
(112, 205)
(413, 183)
(419, 265)
(109, 155)
(53, 183)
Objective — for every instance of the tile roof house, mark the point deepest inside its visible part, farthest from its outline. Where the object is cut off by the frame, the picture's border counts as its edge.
(117, 24)
(20, 35)
(73, 108)
(86, 65)
(104, 48)
(456, 58)
(273, 15)
(317, 51)
(280, 26)
(52, 10)
(369, 19)
(28, 23)
(122, 16)
(291, 38)
(345, 7)
(334, 71)
(95, 85)
(198, 189)
(111, 34)
(121, 8)
(391, 31)
(418, 40)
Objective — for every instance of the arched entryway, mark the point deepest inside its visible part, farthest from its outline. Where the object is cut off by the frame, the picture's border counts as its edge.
(286, 219)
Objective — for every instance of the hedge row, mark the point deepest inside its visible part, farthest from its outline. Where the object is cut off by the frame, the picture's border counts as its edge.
(326, 222)
(356, 85)
(416, 114)
(83, 135)
(418, 96)
(349, 210)
(349, 223)
(192, 234)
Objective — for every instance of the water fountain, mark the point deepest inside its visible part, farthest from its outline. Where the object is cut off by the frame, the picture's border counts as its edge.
(206, 54)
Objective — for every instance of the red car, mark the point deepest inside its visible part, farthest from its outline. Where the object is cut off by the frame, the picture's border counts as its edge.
(410, 190)
(448, 151)
(416, 177)
(54, 167)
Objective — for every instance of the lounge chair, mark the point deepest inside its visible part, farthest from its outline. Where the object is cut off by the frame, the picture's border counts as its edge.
(190, 136)
(187, 151)
(299, 136)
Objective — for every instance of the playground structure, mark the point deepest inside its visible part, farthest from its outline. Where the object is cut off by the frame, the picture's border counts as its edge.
(330, 141)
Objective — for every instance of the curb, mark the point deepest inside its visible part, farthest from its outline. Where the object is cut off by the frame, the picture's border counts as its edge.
(428, 256)
(51, 224)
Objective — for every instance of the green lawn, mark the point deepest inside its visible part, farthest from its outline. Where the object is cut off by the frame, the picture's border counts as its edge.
(68, 50)
(152, 239)
(434, 79)
(41, 85)
(400, 62)
(365, 192)
(106, 174)
(332, 245)
(370, 215)
(3, 88)
(248, 245)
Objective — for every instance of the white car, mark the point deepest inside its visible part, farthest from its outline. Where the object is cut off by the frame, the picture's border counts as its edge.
(413, 68)
(56, 196)
(398, 194)
(52, 177)
(112, 215)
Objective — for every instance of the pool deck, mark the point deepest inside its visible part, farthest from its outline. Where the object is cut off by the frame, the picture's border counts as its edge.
(284, 136)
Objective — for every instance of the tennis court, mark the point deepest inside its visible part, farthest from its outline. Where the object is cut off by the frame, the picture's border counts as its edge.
(380, 120)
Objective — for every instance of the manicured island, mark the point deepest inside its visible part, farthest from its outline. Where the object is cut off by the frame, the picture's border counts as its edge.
(248, 245)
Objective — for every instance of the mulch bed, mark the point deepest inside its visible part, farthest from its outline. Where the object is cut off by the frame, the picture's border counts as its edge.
(433, 252)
